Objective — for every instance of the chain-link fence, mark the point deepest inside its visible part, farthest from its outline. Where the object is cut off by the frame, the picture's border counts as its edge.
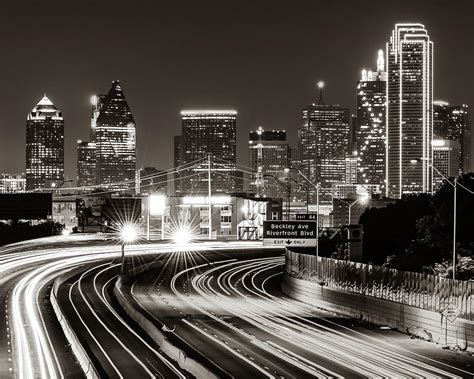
(424, 291)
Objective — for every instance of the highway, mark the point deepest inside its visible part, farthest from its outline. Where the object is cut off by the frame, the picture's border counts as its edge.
(232, 311)
(219, 302)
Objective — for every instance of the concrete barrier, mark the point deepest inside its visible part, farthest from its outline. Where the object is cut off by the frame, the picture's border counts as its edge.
(77, 349)
(186, 363)
(422, 323)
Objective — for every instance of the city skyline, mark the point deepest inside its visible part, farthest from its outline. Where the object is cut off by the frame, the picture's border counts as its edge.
(269, 104)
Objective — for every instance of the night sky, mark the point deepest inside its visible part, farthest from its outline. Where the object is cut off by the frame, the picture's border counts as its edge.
(261, 58)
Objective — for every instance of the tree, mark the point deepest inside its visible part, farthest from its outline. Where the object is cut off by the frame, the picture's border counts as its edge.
(390, 230)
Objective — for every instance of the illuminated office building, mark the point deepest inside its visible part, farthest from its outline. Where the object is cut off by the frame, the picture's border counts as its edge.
(451, 122)
(409, 110)
(115, 139)
(351, 169)
(269, 156)
(44, 146)
(370, 134)
(203, 132)
(12, 183)
(323, 143)
(86, 164)
(446, 160)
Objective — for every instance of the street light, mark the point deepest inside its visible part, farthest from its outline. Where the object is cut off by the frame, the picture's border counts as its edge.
(316, 186)
(362, 199)
(128, 234)
(58, 186)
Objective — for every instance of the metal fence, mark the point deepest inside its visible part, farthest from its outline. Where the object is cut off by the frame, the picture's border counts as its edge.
(415, 289)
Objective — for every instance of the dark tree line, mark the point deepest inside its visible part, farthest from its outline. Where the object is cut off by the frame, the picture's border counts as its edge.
(16, 231)
(416, 232)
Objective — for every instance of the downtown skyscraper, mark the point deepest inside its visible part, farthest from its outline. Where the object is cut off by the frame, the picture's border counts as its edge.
(44, 146)
(115, 138)
(451, 122)
(207, 132)
(371, 125)
(323, 144)
(109, 158)
(409, 110)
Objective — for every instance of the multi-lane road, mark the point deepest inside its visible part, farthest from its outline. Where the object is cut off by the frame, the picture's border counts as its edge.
(218, 302)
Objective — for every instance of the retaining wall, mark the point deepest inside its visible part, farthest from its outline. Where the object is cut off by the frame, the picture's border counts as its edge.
(185, 362)
(79, 352)
(423, 323)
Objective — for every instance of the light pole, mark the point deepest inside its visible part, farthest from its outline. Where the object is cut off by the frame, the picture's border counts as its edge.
(361, 199)
(128, 234)
(317, 217)
(58, 186)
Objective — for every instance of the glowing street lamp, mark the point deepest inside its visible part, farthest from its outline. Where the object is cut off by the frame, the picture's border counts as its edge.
(182, 236)
(128, 234)
(362, 199)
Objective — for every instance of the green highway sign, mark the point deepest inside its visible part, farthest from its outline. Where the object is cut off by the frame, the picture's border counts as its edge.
(289, 233)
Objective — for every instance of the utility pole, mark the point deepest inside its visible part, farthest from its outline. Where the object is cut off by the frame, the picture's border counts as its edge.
(259, 183)
(454, 229)
(317, 230)
(148, 219)
(209, 193)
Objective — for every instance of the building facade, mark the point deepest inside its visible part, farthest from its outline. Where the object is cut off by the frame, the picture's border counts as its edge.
(323, 143)
(86, 164)
(113, 129)
(409, 113)
(371, 125)
(452, 123)
(12, 183)
(44, 146)
(446, 160)
(269, 156)
(208, 132)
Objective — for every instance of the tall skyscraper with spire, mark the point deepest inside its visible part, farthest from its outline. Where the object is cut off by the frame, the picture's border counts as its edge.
(370, 130)
(44, 146)
(409, 110)
(114, 133)
(323, 144)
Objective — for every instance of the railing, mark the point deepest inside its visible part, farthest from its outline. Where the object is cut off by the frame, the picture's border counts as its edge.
(423, 291)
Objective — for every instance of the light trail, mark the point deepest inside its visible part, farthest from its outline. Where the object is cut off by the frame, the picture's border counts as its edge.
(235, 287)
(34, 355)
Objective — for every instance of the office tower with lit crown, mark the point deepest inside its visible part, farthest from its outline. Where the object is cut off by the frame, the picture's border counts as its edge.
(370, 131)
(446, 160)
(203, 132)
(409, 114)
(115, 139)
(323, 143)
(451, 122)
(44, 146)
(269, 156)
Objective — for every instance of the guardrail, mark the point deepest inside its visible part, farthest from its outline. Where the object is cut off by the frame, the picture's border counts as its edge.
(419, 290)
(78, 350)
